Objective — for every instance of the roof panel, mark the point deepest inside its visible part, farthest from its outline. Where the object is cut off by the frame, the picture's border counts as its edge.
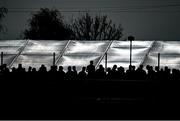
(119, 53)
(11, 48)
(44, 47)
(169, 54)
(79, 53)
(34, 61)
(40, 52)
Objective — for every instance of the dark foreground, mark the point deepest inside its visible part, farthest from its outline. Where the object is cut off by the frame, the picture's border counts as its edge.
(89, 99)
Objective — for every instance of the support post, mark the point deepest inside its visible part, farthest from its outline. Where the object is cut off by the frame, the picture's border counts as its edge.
(131, 38)
(106, 61)
(2, 58)
(158, 60)
(54, 59)
(130, 52)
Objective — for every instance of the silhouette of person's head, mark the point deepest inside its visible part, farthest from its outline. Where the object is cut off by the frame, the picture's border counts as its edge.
(156, 68)
(74, 68)
(108, 69)
(165, 68)
(122, 68)
(130, 67)
(83, 69)
(13, 69)
(114, 67)
(29, 69)
(141, 66)
(151, 68)
(133, 68)
(24, 70)
(161, 70)
(19, 65)
(42, 66)
(148, 67)
(55, 67)
(34, 70)
(69, 68)
(101, 67)
(5, 65)
(60, 68)
(91, 62)
(51, 68)
(174, 71)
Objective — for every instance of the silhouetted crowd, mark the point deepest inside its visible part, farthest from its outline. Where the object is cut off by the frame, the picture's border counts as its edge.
(55, 88)
(89, 72)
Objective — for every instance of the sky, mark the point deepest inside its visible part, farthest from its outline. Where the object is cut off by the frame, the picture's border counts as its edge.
(144, 19)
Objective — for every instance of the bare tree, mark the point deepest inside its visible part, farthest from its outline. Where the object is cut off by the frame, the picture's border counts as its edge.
(99, 27)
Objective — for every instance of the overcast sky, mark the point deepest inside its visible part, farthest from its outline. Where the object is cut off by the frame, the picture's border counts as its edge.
(145, 19)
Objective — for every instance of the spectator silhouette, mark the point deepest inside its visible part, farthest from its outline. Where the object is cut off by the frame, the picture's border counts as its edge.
(5, 69)
(52, 74)
(114, 72)
(175, 75)
(13, 70)
(100, 73)
(141, 74)
(121, 73)
(161, 75)
(29, 69)
(34, 70)
(69, 73)
(82, 74)
(150, 73)
(91, 70)
(61, 72)
(74, 72)
(42, 69)
(20, 69)
(157, 73)
(128, 72)
(109, 73)
(53, 69)
(133, 72)
(166, 73)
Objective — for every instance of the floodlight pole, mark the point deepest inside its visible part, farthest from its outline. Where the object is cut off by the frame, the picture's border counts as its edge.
(158, 60)
(130, 38)
(1, 58)
(54, 60)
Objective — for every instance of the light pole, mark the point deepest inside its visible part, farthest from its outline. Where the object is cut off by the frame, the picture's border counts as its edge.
(131, 38)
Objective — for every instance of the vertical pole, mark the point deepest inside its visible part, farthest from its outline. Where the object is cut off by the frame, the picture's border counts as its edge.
(131, 38)
(130, 51)
(106, 61)
(54, 56)
(1, 58)
(158, 60)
